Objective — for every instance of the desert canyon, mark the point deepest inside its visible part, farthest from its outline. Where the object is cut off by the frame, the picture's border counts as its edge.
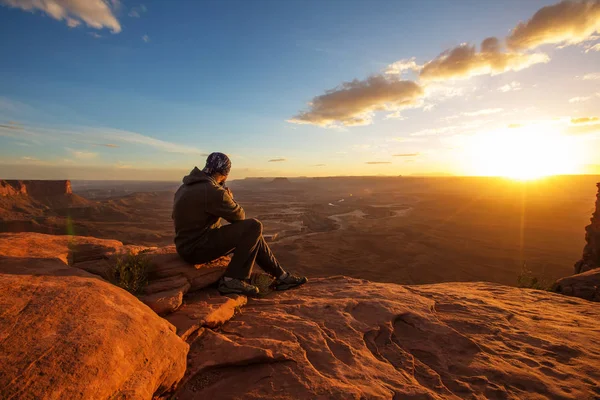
(413, 293)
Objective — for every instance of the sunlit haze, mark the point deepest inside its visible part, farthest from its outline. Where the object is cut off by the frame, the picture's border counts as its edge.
(93, 89)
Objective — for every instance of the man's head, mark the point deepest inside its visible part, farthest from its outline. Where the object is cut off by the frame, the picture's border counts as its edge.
(218, 166)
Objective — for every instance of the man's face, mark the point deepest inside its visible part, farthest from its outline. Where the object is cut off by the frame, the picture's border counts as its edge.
(221, 179)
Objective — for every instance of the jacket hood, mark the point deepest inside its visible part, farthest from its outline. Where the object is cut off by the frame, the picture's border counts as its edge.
(197, 176)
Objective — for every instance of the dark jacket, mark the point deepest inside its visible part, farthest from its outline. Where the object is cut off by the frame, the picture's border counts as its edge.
(199, 205)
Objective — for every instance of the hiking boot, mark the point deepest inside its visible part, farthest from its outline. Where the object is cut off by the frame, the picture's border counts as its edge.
(237, 286)
(290, 281)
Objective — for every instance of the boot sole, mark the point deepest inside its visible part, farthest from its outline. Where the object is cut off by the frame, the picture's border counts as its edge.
(288, 286)
(227, 290)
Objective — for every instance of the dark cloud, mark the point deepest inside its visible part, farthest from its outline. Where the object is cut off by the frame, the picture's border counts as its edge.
(277, 160)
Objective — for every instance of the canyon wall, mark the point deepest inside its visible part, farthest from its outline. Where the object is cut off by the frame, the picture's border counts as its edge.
(35, 188)
(591, 252)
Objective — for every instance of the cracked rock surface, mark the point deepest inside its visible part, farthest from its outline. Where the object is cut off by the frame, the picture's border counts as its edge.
(343, 338)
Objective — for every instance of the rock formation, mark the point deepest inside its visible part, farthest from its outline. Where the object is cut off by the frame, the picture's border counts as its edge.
(591, 251)
(586, 281)
(169, 277)
(65, 334)
(35, 188)
(343, 338)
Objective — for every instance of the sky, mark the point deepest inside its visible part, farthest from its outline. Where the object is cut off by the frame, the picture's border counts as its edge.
(95, 89)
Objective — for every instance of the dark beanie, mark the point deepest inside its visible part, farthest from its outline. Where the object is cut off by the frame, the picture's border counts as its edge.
(217, 163)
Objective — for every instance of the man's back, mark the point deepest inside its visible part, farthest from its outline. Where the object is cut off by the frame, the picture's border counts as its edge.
(198, 206)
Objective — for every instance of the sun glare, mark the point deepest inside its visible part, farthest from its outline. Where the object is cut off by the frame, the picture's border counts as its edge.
(523, 153)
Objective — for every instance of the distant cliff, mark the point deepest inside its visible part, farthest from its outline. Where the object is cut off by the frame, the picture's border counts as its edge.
(591, 252)
(35, 188)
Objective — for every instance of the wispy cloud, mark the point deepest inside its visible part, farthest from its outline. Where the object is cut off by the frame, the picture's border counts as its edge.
(96, 14)
(513, 86)
(82, 154)
(95, 35)
(486, 111)
(137, 11)
(27, 158)
(277, 160)
(567, 22)
(406, 155)
(110, 145)
(319, 165)
(580, 99)
(377, 162)
(146, 38)
(595, 76)
(585, 121)
(94, 136)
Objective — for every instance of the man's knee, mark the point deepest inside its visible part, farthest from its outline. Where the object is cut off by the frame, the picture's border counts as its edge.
(254, 226)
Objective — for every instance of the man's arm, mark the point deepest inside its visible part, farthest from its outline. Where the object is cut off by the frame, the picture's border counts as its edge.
(227, 208)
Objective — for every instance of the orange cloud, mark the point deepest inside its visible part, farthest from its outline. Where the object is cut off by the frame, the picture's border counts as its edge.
(353, 103)
(465, 61)
(567, 22)
(95, 13)
(378, 162)
(406, 155)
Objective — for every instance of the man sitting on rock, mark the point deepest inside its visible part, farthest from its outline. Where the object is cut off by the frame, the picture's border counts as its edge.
(199, 205)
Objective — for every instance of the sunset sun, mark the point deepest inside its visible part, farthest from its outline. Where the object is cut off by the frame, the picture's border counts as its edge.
(522, 153)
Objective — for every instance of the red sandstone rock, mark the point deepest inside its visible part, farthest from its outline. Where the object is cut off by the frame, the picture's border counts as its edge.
(67, 335)
(169, 277)
(342, 338)
(35, 188)
(206, 308)
(167, 301)
(591, 251)
(585, 285)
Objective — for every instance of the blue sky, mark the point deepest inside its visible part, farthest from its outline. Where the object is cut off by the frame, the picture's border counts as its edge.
(145, 89)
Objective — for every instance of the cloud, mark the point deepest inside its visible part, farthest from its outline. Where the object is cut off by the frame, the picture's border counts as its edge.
(485, 111)
(595, 47)
(136, 12)
(513, 86)
(110, 145)
(406, 155)
(465, 61)
(402, 66)
(585, 121)
(277, 160)
(146, 38)
(82, 155)
(122, 165)
(96, 14)
(95, 35)
(581, 99)
(29, 158)
(353, 103)
(378, 162)
(319, 165)
(591, 77)
(567, 22)
(94, 136)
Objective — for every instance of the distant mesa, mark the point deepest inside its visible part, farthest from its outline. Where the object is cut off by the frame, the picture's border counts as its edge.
(35, 188)
(280, 181)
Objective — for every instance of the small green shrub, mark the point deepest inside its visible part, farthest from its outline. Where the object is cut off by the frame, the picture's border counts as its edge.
(130, 272)
(526, 279)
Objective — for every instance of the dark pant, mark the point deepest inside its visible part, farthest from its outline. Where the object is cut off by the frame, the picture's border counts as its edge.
(245, 240)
